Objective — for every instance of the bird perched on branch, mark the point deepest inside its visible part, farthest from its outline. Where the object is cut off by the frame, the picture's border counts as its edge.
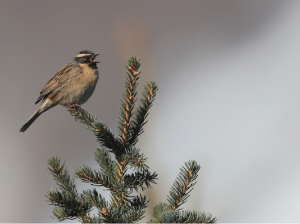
(72, 85)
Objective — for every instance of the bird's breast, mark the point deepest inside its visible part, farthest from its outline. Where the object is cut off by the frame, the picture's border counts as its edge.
(89, 82)
(91, 76)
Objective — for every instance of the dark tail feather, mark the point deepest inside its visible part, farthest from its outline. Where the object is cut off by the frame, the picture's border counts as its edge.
(33, 117)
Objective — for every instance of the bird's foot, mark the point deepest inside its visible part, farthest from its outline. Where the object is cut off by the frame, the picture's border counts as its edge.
(73, 105)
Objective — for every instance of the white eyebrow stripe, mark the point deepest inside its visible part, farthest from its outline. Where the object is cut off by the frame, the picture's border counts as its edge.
(82, 55)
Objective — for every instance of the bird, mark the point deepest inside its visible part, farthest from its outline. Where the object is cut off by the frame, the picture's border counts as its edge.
(71, 86)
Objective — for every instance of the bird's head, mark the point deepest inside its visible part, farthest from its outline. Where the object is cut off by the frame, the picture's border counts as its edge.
(86, 58)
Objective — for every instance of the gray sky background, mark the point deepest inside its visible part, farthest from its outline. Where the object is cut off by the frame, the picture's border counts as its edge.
(228, 77)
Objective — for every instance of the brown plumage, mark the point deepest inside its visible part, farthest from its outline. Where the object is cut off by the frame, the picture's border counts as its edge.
(73, 84)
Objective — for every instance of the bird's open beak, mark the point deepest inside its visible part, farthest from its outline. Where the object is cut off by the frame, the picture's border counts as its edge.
(93, 58)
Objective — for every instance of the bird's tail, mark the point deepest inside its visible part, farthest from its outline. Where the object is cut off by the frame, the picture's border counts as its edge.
(33, 117)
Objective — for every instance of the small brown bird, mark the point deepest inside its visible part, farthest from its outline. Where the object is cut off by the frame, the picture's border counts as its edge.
(72, 85)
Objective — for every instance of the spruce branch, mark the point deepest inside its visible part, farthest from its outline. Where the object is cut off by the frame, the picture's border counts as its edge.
(141, 113)
(183, 184)
(122, 195)
(128, 101)
(139, 202)
(95, 178)
(158, 211)
(125, 215)
(99, 202)
(106, 163)
(131, 211)
(61, 176)
(139, 179)
(92, 219)
(103, 134)
(68, 204)
(164, 214)
(134, 159)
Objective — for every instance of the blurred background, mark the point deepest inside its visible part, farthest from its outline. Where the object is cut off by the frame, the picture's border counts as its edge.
(228, 77)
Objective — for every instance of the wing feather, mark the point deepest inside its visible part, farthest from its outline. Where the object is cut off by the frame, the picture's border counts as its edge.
(60, 77)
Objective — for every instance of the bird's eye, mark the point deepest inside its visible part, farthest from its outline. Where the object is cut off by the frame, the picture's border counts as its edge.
(85, 57)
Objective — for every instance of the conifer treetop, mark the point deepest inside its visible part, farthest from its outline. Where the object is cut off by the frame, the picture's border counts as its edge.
(122, 169)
